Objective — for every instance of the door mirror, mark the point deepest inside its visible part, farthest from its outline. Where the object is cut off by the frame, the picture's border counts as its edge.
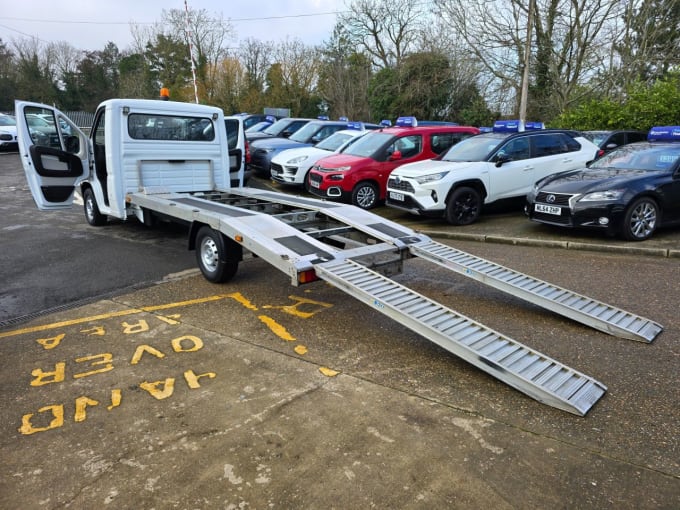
(501, 158)
(394, 156)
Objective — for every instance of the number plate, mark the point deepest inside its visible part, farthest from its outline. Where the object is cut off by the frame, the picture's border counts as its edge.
(548, 209)
(397, 196)
(314, 184)
(274, 172)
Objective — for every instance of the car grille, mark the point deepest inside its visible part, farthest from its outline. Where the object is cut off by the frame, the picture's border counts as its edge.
(315, 178)
(400, 185)
(276, 168)
(559, 198)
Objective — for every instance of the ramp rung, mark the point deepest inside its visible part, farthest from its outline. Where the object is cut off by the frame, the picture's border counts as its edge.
(588, 311)
(515, 364)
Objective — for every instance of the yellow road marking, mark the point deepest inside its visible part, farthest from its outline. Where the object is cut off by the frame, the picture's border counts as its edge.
(237, 296)
(277, 328)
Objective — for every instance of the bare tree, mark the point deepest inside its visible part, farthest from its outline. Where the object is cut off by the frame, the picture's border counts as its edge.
(208, 37)
(293, 76)
(646, 46)
(36, 79)
(256, 58)
(65, 57)
(386, 29)
(345, 77)
(567, 46)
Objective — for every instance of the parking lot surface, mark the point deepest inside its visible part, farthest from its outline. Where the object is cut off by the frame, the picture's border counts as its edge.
(256, 394)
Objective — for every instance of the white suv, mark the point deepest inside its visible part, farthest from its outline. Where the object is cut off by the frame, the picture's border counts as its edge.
(483, 169)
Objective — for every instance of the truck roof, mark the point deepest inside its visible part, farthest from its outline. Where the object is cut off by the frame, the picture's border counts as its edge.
(156, 104)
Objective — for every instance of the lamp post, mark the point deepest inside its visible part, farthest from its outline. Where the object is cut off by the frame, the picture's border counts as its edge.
(525, 75)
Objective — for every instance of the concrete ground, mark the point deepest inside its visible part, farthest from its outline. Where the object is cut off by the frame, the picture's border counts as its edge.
(260, 395)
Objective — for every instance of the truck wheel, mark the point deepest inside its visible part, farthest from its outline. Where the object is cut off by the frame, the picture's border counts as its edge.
(92, 214)
(641, 219)
(211, 255)
(365, 195)
(463, 206)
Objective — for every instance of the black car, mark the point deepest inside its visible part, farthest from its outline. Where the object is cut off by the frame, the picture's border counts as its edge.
(607, 141)
(630, 191)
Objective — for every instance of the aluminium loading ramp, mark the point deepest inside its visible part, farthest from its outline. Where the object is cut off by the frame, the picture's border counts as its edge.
(525, 369)
(588, 311)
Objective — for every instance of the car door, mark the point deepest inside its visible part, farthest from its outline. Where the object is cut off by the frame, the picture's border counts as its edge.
(405, 149)
(55, 163)
(551, 154)
(511, 172)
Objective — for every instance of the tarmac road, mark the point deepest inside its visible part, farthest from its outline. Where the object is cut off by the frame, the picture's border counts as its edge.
(257, 394)
(50, 260)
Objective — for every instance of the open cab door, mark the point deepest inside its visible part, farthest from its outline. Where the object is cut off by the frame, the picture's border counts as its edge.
(236, 142)
(55, 154)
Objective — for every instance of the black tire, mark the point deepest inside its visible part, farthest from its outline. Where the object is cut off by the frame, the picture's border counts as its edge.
(92, 214)
(307, 186)
(365, 195)
(464, 206)
(214, 261)
(641, 219)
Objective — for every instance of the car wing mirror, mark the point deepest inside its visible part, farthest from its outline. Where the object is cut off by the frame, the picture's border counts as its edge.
(395, 156)
(501, 158)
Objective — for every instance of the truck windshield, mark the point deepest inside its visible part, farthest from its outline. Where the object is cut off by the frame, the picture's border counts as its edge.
(475, 148)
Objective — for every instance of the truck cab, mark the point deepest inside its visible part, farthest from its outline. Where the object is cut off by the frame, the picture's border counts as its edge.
(134, 145)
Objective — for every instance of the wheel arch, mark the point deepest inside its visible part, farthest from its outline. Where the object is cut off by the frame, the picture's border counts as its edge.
(193, 230)
(371, 180)
(476, 184)
(234, 249)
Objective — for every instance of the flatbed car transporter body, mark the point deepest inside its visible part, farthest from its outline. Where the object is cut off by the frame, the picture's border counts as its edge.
(163, 159)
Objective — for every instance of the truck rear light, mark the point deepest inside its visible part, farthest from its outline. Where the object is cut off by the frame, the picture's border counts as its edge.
(307, 276)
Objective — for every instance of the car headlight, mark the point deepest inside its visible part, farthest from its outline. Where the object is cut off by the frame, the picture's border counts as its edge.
(424, 179)
(297, 160)
(600, 196)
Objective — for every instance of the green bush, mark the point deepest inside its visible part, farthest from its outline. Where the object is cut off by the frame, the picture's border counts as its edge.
(645, 105)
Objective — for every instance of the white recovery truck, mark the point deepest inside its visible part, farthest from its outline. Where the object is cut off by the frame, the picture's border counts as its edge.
(149, 159)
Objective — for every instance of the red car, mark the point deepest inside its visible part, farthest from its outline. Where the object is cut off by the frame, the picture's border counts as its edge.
(359, 174)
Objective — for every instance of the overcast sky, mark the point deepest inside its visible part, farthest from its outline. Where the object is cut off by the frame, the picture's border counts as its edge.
(90, 24)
